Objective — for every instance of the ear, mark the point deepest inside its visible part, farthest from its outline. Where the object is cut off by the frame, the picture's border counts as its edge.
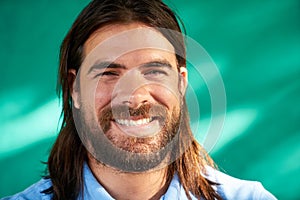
(183, 79)
(74, 87)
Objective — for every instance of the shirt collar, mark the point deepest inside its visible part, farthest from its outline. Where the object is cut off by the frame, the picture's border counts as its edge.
(94, 190)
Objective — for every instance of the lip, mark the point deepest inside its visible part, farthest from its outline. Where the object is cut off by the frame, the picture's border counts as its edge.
(143, 127)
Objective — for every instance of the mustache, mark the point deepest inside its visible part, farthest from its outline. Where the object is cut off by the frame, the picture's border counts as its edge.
(124, 112)
(153, 111)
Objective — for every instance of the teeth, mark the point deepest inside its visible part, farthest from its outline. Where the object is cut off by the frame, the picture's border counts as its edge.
(133, 122)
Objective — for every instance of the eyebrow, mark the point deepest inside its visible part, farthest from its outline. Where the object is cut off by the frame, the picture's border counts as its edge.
(159, 63)
(107, 64)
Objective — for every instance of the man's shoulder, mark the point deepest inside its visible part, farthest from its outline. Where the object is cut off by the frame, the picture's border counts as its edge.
(35, 191)
(233, 188)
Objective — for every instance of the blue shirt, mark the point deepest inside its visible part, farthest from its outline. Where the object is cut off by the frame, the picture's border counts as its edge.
(229, 188)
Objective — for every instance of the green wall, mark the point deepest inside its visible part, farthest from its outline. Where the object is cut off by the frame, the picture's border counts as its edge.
(255, 44)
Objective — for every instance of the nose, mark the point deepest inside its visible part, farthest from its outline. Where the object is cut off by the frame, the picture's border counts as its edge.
(132, 90)
(137, 98)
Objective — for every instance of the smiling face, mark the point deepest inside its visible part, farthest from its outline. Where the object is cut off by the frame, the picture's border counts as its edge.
(131, 88)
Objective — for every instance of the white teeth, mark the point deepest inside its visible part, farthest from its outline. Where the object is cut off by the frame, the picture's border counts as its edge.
(133, 122)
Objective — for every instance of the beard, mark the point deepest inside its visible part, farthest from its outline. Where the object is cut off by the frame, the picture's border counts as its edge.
(128, 153)
(140, 144)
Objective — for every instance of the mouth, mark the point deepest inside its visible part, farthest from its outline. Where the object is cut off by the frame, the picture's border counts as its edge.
(139, 127)
(132, 122)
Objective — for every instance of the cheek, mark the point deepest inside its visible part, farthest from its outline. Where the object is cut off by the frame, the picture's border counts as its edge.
(166, 96)
(103, 96)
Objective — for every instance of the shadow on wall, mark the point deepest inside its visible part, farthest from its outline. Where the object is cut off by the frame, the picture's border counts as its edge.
(24, 168)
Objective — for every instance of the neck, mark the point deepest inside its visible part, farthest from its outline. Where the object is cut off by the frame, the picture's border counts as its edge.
(123, 186)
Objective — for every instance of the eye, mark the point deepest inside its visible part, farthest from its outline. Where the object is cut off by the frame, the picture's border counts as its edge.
(155, 72)
(107, 74)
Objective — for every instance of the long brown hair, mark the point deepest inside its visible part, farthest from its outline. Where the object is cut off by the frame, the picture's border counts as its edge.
(65, 163)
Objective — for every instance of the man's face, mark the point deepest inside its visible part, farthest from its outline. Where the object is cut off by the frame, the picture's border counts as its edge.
(131, 88)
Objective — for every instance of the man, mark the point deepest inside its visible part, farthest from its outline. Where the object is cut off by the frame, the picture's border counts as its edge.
(125, 131)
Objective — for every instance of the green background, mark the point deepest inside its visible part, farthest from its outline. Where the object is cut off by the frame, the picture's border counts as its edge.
(255, 44)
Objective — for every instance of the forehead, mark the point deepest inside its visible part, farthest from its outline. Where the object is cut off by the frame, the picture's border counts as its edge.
(113, 41)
